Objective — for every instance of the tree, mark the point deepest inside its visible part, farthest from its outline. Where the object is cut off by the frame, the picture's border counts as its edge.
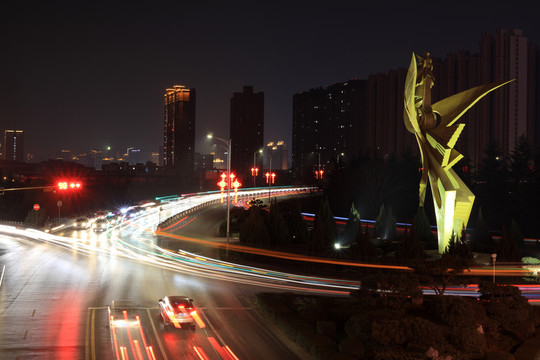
(298, 230)
(481, 240)
(516, 233)
(276, 226)
(351, 229)
(256, 203)
(422, 227)
(459, 248)
(440, 273)
(520, 160)
(410, 247)
(385, 223)
(324, 231)
(492, 188)
(508, 249)
(394, 287)
(253, 230)
(520, 170)
(363, 248)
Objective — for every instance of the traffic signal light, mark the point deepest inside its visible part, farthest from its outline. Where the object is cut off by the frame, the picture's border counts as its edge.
(69, 185)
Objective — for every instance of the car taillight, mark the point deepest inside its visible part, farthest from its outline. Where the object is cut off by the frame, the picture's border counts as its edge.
(194, 312)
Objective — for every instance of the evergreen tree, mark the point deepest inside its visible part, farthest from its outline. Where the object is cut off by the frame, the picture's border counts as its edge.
(410, 246)
(492, 189)
(516, 233)
(298, 230)
(276, 226)
(253, 230)
(351, 229)
(324, 231)
(520, 160)
(508, 248)
(364, 250)
(385, 223)
(459, 248)
(422, 227)
(481, 240)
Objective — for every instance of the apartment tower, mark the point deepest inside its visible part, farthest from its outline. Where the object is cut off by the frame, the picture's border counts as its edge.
(179, 131)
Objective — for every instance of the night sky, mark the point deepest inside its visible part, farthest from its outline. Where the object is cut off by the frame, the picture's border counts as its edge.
(89, 76)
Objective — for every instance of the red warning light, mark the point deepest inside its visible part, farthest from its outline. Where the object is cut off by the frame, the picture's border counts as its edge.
(69, 185)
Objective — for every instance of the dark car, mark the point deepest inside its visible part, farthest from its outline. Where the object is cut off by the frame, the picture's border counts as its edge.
(178, 311)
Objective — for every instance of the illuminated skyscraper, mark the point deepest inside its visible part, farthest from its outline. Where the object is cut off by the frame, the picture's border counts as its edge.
(277, 151)
(14, 145)
(179, 131)
(246, 130)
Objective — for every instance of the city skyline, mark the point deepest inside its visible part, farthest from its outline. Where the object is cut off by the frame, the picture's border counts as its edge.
(89, 77)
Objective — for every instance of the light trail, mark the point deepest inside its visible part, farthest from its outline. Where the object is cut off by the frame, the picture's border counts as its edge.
(184, 262)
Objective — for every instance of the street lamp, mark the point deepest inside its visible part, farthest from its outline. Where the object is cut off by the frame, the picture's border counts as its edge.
(228, 143)
(270, 178)
(255, 170)
(494, 259)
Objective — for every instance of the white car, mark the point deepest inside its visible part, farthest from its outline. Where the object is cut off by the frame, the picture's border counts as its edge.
(82, 223)
(178, 311)
(100, 224)
(123, 313)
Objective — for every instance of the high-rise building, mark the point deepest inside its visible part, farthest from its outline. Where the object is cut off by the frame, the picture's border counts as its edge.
(508, 58)
(329, 124)
(135, 156)
(277, 151)
(366, 116)
(14, 145)
(246, 130)
(179, 131)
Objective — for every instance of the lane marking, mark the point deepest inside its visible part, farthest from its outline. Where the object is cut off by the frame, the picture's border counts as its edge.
(93, 335)
(86, 336)
(2, 276)
(157, 335)
(223, 344)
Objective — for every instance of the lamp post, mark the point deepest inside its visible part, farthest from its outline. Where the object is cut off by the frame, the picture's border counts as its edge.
(494, 259)
(270, 180)
(228, 143)
(255, 170)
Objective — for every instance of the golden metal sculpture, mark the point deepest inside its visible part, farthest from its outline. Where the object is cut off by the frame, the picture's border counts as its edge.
(436, 131)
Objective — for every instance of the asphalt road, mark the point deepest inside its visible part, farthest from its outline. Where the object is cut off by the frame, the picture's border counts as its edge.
(53, 304)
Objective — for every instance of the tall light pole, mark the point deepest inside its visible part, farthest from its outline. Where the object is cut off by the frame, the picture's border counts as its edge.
(270, 180)
(228, 143)
(255, 165)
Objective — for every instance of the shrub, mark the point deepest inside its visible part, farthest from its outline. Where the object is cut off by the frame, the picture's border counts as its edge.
(326, 328)
(393, 353)
(360, 324)
(461, 312)
(469, 340)
(312, 313)
(409, 330)
(353, 345)
(498, 355)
